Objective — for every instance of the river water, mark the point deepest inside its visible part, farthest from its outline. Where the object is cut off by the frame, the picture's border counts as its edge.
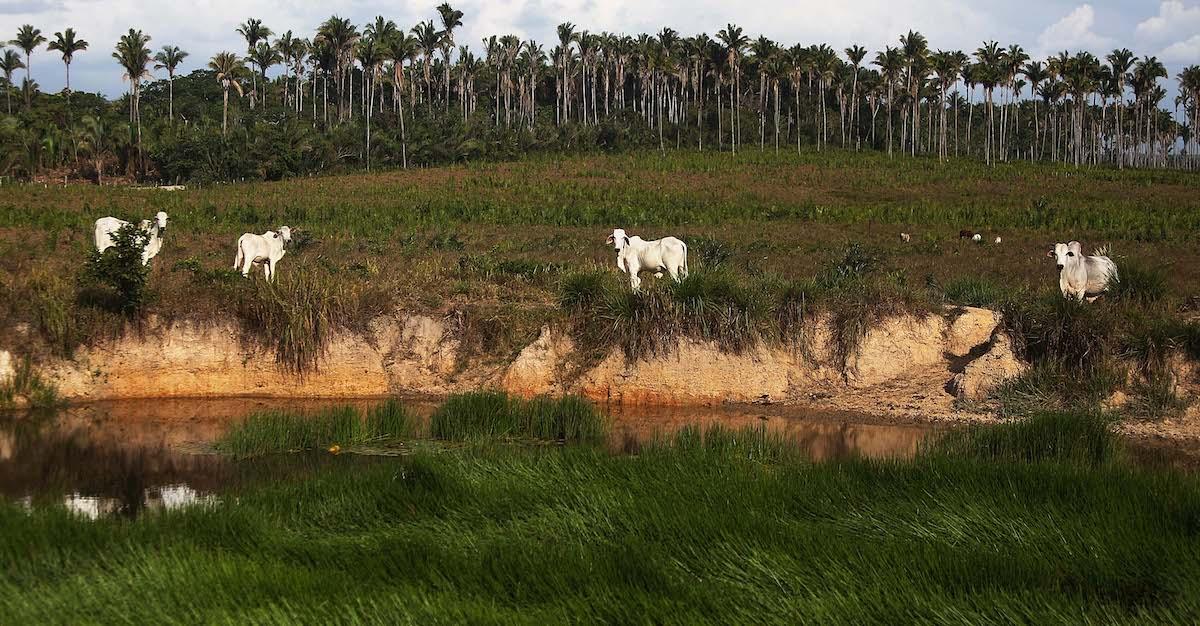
(127, 457)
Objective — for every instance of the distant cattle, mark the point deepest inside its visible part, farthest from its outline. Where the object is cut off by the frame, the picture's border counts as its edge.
(265, 249)
(1082, 276)
(635, 255)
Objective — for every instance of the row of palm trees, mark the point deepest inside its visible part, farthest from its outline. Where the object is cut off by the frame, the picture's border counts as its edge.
(1077, 108)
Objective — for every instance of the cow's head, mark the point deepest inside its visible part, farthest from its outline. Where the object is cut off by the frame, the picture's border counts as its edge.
(1064, 253)
(286, 233)
(617, 239)
(161, 220)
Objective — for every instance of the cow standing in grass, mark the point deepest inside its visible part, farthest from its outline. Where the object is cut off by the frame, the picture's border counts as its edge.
(265, 249)
(105, 227)
(635, 255)
(1082, 276)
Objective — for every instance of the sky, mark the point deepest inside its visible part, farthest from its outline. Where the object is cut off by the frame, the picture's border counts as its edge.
(1169, 29)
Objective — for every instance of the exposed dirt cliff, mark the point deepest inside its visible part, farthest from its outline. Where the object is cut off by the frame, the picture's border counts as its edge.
(906, 365)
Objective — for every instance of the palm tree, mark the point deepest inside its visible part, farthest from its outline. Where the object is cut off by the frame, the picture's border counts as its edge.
(1036, 73)
(288, 46)
(566, 34)
(264, 56)
(1120, 62)
(253, 32)
(735, 42)
(429, 38)
(10, 62)
(890, 63)
(370, 56)
(916, 50)
(989, 58)
(855, 54)
(133, 56)
(341, 36)
(66, 43)
(28, 39)
(229, 68)
(169, 58)
(451, 19)
(95, 141)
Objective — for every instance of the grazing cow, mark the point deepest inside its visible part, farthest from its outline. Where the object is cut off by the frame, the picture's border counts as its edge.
(966, 234)
(977, 238)
(905, 237)
(635, 255)
(265, 249)
(998, 240)
(107, 226)
(1082, 276)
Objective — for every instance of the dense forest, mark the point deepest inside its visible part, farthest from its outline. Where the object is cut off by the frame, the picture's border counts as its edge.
(381, 95)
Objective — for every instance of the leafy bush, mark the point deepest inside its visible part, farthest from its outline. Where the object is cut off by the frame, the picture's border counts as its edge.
(116, 279)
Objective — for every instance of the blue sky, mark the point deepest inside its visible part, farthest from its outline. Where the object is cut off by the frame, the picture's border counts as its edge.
(1169, 29)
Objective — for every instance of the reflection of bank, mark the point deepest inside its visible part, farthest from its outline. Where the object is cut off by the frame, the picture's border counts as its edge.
(7, 446)
(96, 466)
(822, 435)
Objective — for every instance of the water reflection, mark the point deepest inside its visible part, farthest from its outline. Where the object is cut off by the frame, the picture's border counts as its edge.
(126, 458)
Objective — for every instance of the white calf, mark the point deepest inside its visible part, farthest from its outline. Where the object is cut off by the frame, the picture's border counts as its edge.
(107, 226)
(265, 249)
(635, 255)
(1082, 276)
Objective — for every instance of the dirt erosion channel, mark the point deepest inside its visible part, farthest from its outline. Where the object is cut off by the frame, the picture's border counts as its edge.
(906, 366)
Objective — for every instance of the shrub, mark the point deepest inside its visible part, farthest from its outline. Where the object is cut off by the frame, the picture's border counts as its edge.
(116, 279)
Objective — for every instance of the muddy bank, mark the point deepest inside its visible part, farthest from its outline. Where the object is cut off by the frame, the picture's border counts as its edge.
(907, 365)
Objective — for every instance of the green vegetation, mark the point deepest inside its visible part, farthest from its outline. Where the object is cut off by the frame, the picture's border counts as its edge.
(279, 431)
(1036, 523)
(116, 279)
(493, 415)
(27, 389)
(427, 97)
(777, 241)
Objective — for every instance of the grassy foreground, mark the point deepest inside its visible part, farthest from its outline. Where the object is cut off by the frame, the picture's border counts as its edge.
(1006, 526)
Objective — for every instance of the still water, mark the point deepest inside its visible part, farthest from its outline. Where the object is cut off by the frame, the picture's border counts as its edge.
(125, 458)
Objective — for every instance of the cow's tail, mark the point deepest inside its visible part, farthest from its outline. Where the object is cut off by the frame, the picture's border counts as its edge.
(239, 259)
(683, 271)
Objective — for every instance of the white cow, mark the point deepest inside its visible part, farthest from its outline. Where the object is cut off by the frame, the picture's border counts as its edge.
(1082, 276)
(265, 249)
(107, 226)
(635, 255)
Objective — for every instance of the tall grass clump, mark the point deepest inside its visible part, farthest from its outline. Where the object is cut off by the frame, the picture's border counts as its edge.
(296, 315)
(1140, 285)
(717, 306)
(285, 431)
(720, 442)
(52, 300)
(1082, 439)
(495, 415)
(27, 389)
(976, 292)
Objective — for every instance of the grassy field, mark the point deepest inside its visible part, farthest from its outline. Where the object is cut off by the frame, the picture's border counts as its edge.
(1041, 522)
(501, 249)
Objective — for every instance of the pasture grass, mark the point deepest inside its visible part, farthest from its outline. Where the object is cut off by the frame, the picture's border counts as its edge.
(1033, 523)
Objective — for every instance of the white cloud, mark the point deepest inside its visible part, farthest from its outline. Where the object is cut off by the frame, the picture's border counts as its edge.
(1183, 52)
(1073, 32)
(1174, 19)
